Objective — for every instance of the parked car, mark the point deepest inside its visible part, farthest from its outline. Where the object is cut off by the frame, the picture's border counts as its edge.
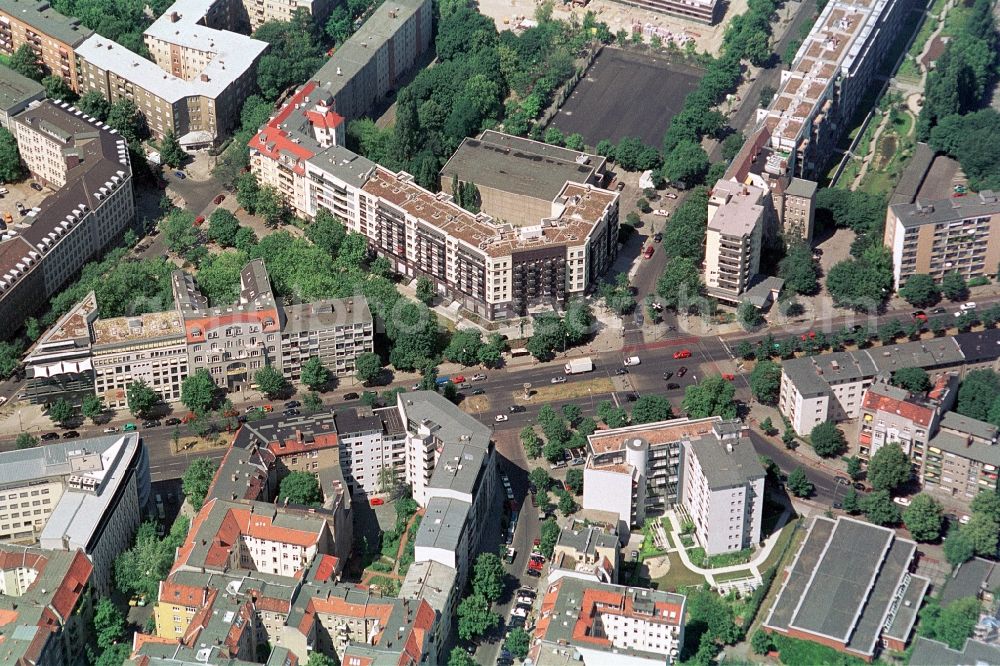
(902, 501)
(180, 174)
(728, 376)
(198, 221)
(621, 371)
(110, 430)
(648, 253)
(36, 187)
(662, 212)
(150, 423)
(458, 379)
(479, 392)
(670, 195)
(965, 307)
(478, 377)
(515, 409)
(684, 353)
(49, 436)
(70, 434)
(129, 427)
(920, 315)
(938, 311)
(667, 374)
(351, 396)
(173, 420)
(843, 480)
(500, 418)
(290, 412)
(672, 386)
(219, 199)
(681, 371)
(377, 501)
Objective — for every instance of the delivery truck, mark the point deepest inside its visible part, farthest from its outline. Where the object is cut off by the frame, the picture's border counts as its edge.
(578, 365)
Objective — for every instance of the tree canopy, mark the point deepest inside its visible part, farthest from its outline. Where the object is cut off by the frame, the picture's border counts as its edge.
(924, 518)
(915, 380)
(11, 168)
(827, 439)
(196, 481)
(488, 576)
(300, 488)
(920, 290)
(765, 381)
(799, 270)
(713, 396)
(198, 391)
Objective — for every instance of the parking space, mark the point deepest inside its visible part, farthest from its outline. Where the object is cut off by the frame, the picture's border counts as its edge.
(27, 193)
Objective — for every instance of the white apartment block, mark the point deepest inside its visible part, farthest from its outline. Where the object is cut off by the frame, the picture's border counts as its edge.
(736, 218)
(831, 387)
(44, 249)
(723, 489)
(372, 449)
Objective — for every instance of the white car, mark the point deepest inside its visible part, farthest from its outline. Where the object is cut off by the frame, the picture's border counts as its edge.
(519, 612)
(478, 377)
(670, 195)
(662, 212)
(3, 400)
(558, 380)
(632, 360)
(965, 307)
(525, 600)
(500, 418)
(111, 429)
(902, 501)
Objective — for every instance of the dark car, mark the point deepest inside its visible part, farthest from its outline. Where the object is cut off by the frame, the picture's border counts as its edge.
(151, 423)
(292, 403)
(621, 371)
(534, 572)
(173, 420)
(672, 386)
(180, 174)
(859, 486)
(70, 434)
(667, 375)
(290, 412)
(351, 396)
(36, 187)
(681, 371)
(49, 436)
(938, 311)
(658, 237)
(631, 397)
(516, 409)
(479, 392)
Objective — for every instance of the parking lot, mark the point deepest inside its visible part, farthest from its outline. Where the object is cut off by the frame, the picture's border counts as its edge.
(626, 94)
(21, 193)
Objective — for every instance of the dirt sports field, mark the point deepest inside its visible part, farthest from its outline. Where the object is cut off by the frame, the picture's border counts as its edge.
(626, 94)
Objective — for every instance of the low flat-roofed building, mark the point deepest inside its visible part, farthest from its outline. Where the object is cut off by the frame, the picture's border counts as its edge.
(51, 35)
(596, 623)
(45, 605)
(927, 652)
(16, 93)
(850, 588)
(518, 178)
(591, 554)
(977, 578)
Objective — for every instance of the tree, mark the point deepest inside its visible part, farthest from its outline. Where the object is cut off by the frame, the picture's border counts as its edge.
(952, 624)
(984, 531)
(713, 396)
(491, 353)
(549, 536)
(798, 483)
(26, 63)
(223, 227)
(11, 169)
(312, 402)
(196, 481)
(464, 347)
(92, 407)
(827, 439)
(613, 417)
(271, 206)
(314, 374)
(25, 441)
(141, 398)
(171, 152)
(475, 617)
(247, 192)
(953, 287)
(198, 391)
(300, 488)
(57, 88)
(566, 504)
(920, 291)
(487, 577)
(854, 468)
(61, 411)
(851, 502)
(320, 659)
(574, 479)
(923, 518)
(958, 547)
(765, 381)
(553, 450)
(687, 163)
(531, 441)
(519, 640)
(458, 656)
(269, 381)
(977, 394)
(425, 290)
(109, 623)
(367, 367)
(651, 408)
(748, 315)
(125, 117)
(680, 282)
(761, 642)
(879, 508)
(799, 270)
(94, 104)
(861, 284)
(889, 468)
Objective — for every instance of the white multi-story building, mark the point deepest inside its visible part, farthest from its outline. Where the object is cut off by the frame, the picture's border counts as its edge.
(372, 449)
(607, 625)
(723, 489)
(93, 205)
(736, 219)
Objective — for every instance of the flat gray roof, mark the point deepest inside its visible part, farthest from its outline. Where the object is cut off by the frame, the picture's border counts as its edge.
(442, 524)
(39, 14)
(966, 424)
(724, 468)
(956, 208)
(448, 422)
(16, 89)
(341, 162)
(960, 446)
(519, 166)
(800, 187)
(458, 467)
(587, 540)
(935, 653)
(431, 581)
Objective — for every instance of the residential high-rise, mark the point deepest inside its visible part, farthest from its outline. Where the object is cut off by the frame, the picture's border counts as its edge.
(736, 219)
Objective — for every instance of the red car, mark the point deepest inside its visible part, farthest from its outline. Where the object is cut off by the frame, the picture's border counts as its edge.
(536, 542)
(811, 335)
(919, 315)
(458, 379)
(649, 251)
(199, 220)
(729, 376)
(219, 199)
(377, 501)
(684, 353)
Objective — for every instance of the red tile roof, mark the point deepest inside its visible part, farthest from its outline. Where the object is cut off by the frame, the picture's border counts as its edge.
(919, 414)
(326, 568)
(272, 141)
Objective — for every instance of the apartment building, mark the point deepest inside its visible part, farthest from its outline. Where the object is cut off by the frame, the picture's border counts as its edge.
(960, 460)
(434, 583)
(199, 74)
(597, 623)
(590, 554)
(723, 488)
(831, 73)
(52, 36)
(831, 387)
(46, 605)
(150, 348)
(93, 206)
(88, 494)
(16, 93)
(518, 178)
(892, 414)
(372, 450)
(850, 588)
(736, 220)
(958, 235)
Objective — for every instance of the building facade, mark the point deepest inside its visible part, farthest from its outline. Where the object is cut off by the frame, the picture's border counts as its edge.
(893, 415)
(51, 35)
(959, 235)
(960, 460)
(92, 207)
(698, 11)
(736, 220)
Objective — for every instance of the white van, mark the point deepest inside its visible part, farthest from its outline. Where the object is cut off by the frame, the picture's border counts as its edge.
(632, 360)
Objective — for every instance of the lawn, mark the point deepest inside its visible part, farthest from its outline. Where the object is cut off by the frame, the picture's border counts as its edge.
(795, 652)
(783, 542)
(679, 576)
(568, 391)
(733, 575)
